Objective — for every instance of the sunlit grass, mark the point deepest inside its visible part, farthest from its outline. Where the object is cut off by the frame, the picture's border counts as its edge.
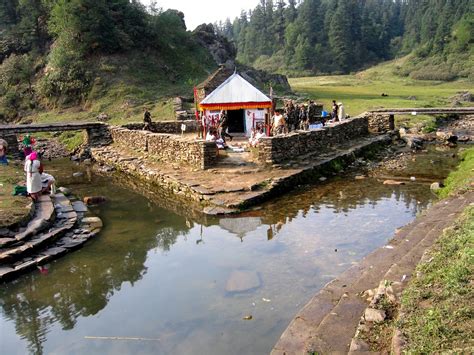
(363, 91)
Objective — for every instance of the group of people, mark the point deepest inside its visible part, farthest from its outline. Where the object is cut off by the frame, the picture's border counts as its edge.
(37, 181)
(301, 116)
(218, 132)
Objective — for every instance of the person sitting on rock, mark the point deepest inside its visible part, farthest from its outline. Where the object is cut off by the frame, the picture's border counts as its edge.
(255, 139)
(47, 183)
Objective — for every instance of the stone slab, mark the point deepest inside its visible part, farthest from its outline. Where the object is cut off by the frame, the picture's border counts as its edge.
(79, 206)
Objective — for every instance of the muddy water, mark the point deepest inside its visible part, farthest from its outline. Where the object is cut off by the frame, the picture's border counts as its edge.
(158, 280)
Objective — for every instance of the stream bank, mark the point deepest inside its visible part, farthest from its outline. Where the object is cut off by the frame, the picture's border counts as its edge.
(159, 271)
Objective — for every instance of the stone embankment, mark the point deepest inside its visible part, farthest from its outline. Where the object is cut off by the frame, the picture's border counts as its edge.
(230, 189)
(335, 320)
(167, 148)
(57, 227)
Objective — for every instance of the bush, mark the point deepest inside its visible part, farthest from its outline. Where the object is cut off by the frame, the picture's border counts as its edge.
(67, 78)
(431, 72)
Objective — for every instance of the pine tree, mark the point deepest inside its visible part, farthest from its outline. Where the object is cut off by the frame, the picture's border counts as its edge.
(340, 36)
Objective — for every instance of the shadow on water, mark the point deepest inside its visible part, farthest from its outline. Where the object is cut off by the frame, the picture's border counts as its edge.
(158, 273)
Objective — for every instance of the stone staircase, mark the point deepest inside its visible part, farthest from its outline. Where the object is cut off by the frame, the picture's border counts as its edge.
(327, 324)
(57, 227)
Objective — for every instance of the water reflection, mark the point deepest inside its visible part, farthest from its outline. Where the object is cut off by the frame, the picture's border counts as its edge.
(161, 272)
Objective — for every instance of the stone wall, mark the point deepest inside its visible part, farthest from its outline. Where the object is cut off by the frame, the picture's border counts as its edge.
(173, 127)
(380, 122)
(98, 136)
(167, 147)
(274, 150)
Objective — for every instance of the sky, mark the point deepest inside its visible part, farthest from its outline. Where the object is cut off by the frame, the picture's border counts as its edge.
(206, 11)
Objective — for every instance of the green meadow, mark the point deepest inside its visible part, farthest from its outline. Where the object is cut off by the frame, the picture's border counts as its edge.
(363, 91)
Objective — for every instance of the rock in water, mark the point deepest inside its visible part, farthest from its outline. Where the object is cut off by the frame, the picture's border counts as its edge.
(78, 174)
(241, 281)
(94, 200)
(393, 182)
(64, 190)
(93, 222)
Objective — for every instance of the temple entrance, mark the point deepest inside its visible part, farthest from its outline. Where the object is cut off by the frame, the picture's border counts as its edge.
(236, 121)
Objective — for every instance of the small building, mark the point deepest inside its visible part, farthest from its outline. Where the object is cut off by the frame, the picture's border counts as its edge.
(245, 104)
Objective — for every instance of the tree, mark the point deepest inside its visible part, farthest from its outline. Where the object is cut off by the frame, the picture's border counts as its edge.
(340, 38)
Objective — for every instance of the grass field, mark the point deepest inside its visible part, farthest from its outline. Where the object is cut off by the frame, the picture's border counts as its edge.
(12, 208)
(362, 91)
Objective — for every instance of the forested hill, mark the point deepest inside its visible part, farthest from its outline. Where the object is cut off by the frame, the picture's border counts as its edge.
(339, 36)
(97, 55)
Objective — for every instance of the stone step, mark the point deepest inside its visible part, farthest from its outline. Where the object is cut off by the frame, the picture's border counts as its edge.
(36, 236)
(66, 238)
(328, 322)
(42, 219)
(336, 330)
(399, 274)
(60, 226)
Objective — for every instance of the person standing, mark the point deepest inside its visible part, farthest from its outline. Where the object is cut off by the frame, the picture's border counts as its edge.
(27, 142)
(341, 114)
(303, 118)
(278, 125)
(147, 120)
(224, 125)
(33, 170)
(334, 110)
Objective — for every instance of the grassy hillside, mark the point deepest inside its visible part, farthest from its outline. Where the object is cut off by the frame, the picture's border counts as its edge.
(125, 84)
(362, 91)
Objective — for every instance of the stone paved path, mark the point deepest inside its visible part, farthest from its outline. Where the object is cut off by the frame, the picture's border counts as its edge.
(328, 322)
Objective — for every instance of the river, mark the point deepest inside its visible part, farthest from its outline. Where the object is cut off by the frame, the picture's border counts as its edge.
(161, 280)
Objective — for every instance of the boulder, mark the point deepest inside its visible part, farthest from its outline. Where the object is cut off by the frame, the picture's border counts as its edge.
(93, 222)
(241, 281)
(94, 200)
(374, 315)
(436, 186)
(103, 117)
(64, 190)
(413, 142)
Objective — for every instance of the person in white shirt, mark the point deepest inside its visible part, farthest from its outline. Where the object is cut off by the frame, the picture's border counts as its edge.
(33, 170)
(341, 114)
(278, 125)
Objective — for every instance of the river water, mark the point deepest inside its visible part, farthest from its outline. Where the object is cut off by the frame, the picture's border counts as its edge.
(160, 280)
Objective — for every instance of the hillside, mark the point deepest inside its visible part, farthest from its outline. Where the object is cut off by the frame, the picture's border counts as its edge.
(363, 90)
(80, 59)
(314, 37)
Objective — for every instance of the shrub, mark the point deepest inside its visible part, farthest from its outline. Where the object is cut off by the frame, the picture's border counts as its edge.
(432, 72)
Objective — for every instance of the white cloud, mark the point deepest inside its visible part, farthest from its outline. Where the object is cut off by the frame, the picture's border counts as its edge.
(206, 11)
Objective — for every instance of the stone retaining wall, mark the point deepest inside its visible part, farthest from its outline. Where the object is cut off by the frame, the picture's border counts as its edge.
(166, 126)
(167, 147)
(380, 122)
(274, 150)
